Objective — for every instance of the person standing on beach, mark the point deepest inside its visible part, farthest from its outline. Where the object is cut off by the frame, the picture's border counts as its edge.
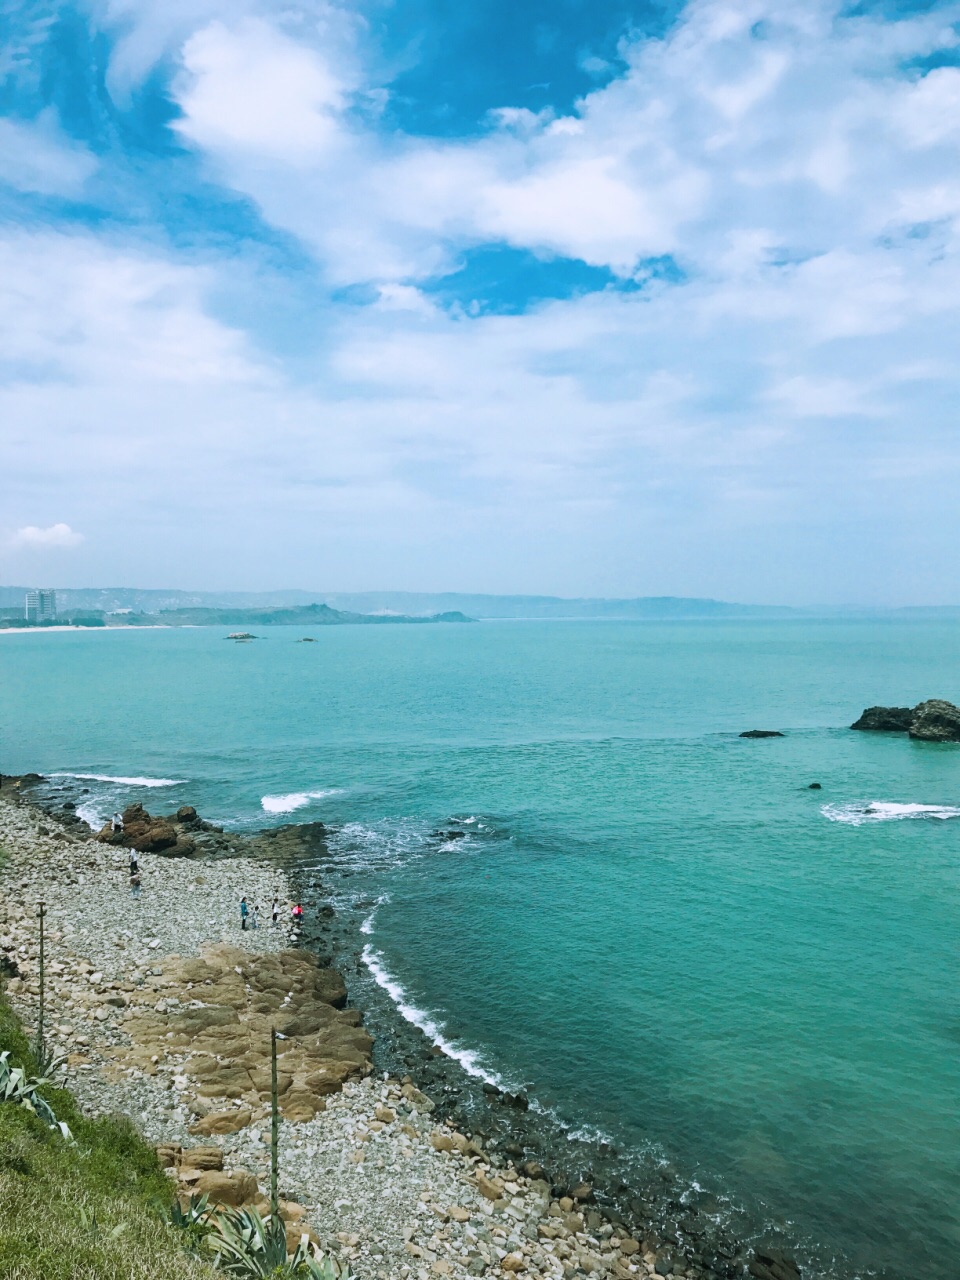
(255, 916)
(244, 909)
(276, 912)
(297, 914)
(134, 869)
(134, 883)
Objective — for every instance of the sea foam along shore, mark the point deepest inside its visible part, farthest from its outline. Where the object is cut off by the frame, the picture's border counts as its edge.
(372, 1172)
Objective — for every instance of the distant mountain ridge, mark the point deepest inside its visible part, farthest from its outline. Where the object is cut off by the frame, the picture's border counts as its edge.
(418, 604)
(403, 603)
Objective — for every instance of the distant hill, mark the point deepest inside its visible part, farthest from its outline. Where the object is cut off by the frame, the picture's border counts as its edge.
(414, 604)
(311, 615)
(403, 603)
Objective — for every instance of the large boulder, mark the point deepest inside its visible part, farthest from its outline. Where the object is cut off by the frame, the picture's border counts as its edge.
(222, 1122)
(227, 1188)
(148, 834)
(885, 719)
(932, 721)
(936, 721)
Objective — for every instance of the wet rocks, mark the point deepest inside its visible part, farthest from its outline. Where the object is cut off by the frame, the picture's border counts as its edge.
(773, 1264)
(935, 720)
(762, 733)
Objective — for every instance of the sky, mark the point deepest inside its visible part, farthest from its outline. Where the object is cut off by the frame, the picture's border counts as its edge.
(582, 298)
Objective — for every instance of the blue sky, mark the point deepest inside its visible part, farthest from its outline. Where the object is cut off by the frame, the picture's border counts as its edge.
(581, 298)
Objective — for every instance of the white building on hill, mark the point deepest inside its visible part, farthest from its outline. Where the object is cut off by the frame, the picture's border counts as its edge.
(40, 606)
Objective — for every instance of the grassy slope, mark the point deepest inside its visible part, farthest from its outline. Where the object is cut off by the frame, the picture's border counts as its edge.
(109, 1172)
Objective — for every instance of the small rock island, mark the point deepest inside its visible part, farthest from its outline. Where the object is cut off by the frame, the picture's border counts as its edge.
(932, 721)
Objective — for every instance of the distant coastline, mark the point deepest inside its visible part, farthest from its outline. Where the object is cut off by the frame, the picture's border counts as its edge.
(313, 615)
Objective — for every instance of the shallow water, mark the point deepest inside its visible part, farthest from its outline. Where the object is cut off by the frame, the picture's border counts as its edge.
(652, 924)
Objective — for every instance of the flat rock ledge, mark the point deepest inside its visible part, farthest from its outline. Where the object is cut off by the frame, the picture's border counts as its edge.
(164, 1006)
(932, 721)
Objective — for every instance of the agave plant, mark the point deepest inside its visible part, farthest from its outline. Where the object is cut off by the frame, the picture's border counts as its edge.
(16, 1087)
(195, 1220)
(251, 1247)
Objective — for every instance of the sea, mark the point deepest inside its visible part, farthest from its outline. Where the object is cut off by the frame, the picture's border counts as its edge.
(582, 881)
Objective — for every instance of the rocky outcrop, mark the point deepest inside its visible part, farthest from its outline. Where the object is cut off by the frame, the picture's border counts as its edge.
(932, 721)
(763, 733)
(227, 1037)
(147, 834)
(885, 719)
(936, 721)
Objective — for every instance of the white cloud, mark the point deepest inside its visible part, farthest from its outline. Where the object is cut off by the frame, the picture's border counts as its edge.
(796, 119)
(253, 89)
(55, 536)
(787, 166)
(36, 156)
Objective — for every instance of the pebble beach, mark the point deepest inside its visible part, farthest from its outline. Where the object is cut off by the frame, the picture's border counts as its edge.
(161, 1004)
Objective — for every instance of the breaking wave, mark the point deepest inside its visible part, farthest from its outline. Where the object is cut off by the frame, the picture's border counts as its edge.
(124, 782)
(858, 813)
(294, 800)
(469, 1059)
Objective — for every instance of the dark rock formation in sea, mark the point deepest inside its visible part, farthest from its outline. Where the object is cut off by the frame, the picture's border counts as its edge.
(885, 719)
(936, 721)
(763, 733)
(932, 721)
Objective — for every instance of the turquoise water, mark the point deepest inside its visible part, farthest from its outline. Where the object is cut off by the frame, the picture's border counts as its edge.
(653, 925)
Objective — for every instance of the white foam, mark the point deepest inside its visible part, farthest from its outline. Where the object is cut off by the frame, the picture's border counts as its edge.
(125, 782)
(469, 1059)
(367, 926)
(858, 813)
(91, 816)
(295, 800)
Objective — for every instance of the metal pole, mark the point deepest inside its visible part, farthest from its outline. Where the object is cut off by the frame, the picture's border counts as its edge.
(43, 912)
(274, 1126)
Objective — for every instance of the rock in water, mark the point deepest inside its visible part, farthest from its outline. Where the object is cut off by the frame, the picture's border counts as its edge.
(885, 719)
(932, 721)
(936, 721)
(763, 733)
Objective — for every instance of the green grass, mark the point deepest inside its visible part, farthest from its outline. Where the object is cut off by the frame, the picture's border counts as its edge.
(91, 1210)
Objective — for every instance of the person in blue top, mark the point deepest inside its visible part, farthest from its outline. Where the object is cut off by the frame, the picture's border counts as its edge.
(243, 913)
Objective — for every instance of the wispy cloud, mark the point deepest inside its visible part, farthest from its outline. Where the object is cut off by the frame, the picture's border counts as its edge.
(55, 536)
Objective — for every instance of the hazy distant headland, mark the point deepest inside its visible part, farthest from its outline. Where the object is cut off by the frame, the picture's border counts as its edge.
(139, 606)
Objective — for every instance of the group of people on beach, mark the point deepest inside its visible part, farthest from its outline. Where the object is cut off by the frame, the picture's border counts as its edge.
(250, 913)
(249, 907)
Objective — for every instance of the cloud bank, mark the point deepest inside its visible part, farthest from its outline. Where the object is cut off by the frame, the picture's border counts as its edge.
(323, 365)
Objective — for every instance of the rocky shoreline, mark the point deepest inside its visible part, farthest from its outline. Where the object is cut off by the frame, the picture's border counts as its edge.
(163, 1007)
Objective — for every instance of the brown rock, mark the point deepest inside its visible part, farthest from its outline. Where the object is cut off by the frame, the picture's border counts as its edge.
(489, 1188)
(203, 1158)
(299, 1105)
(262, 1077)
(227, 1188)
(221, 1122)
